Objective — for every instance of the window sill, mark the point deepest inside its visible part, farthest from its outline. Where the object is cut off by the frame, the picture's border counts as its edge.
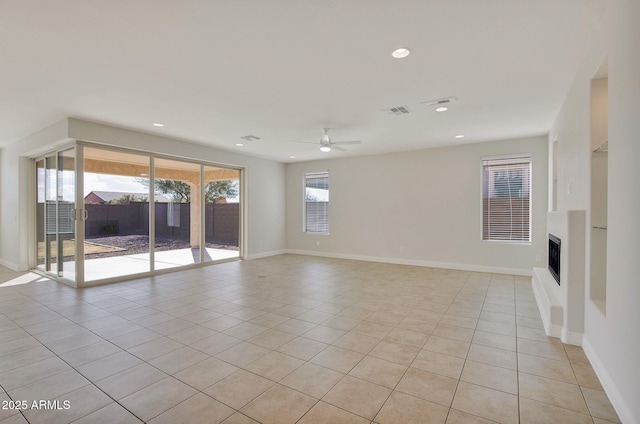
(515, 242)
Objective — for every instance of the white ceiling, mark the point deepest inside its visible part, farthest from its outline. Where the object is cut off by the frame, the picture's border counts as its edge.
(215, 70)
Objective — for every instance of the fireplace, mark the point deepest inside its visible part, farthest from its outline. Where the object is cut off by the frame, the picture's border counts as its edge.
(554, 257)
(559, 285)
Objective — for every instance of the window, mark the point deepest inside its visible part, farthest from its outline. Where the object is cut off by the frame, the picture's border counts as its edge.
(316, 203)
(506, 206)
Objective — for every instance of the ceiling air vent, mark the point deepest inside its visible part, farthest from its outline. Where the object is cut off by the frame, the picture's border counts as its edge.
(439, 102)
(398, 110)
(250, 137)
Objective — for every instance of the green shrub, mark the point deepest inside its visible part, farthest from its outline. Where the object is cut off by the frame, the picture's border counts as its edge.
(109, 229)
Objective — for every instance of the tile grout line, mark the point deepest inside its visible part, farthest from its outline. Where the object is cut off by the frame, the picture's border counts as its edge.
(467, 355)
(91, 383)
(289, 287)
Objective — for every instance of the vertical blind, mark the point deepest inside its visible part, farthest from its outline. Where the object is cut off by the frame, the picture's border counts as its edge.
(316, 202)
(61, 211)
(506, 206)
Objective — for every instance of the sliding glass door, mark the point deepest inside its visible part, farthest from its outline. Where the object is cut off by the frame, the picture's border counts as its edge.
(130, 213)
(222, 213)
(56, 214)
(116, 199)
(177, 213)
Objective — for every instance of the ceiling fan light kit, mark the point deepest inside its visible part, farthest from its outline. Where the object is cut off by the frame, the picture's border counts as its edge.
(326, 145)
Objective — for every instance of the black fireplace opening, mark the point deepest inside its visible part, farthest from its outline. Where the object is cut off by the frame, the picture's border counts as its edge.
(554, 257)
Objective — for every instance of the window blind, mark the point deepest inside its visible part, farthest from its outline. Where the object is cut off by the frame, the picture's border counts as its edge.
(506, 205)
(316, 202)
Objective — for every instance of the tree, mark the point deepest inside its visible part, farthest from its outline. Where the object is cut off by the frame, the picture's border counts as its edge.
(127, 198)
(310, 197)
(180, 192)
(218, 190)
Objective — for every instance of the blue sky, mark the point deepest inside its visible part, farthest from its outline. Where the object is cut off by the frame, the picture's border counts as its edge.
(95, 182)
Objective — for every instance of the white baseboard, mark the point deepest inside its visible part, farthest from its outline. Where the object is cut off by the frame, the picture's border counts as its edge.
(10, 265)
(266, 254)
(621, 407)
(572, 338)
(416, 262)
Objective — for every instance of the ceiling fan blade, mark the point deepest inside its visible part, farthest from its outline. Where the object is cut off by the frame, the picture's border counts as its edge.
(334, 147)
(305, 142)
(347, 142)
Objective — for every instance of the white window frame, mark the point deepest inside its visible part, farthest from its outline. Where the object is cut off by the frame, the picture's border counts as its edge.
(515, 157)
(304, 202)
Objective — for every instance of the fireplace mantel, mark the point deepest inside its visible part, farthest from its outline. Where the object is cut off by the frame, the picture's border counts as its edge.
(562, 306)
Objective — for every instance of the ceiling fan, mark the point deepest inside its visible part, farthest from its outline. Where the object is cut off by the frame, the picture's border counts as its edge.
(326, 145)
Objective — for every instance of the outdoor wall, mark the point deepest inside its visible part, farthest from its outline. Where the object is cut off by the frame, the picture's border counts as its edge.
(132, 218)
(420, 207)
(611, 336)
(264, 194)
(222, 224)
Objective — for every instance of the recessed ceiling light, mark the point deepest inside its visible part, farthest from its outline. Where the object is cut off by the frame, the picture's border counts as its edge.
(158, 124)
(441, 109)
(239, 144)
(292, 157)
(401, 53)
(460, 136)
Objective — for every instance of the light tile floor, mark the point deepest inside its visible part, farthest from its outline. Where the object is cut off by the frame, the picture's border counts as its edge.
(290, 339)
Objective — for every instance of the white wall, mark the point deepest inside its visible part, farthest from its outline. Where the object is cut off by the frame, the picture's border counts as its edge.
(611, 340)
(420, 207)
(10, 211)
(265, 182)
(1, 206)
(15, 177)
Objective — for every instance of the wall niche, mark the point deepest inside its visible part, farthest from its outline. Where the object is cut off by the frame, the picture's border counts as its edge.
(599, 188)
